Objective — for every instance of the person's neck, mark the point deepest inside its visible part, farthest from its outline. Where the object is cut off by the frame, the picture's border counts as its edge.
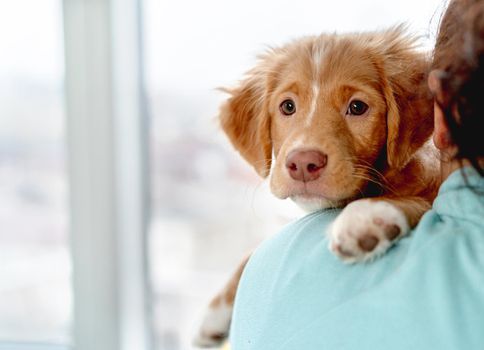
(447, 167)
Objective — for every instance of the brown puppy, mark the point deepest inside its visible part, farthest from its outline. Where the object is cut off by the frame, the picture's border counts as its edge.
(337, 121)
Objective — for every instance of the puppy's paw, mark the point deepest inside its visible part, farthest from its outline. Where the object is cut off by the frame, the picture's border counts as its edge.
(365, 229)
(215, 325)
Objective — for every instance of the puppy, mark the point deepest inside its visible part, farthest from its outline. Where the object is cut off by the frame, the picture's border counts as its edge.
(337, 121)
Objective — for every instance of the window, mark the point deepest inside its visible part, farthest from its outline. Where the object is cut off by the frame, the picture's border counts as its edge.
(35, 269)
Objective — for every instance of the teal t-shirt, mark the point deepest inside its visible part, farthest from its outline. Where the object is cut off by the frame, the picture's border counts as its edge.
(426, 293)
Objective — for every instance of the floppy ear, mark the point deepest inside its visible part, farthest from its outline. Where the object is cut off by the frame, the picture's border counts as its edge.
(409, 101)
(245, 119)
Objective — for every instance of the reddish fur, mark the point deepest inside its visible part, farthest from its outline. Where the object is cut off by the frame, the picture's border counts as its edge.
(392, 78)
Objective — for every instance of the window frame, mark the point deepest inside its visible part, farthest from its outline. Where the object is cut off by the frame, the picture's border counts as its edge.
(107, 164)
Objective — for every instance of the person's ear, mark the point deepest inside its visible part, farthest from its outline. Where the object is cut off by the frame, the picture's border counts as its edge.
(434, 84)
(441, 136)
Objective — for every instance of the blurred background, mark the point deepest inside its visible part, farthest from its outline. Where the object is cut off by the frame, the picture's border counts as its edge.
(207, 208)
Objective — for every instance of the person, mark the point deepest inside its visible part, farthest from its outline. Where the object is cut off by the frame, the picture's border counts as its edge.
(427, 292)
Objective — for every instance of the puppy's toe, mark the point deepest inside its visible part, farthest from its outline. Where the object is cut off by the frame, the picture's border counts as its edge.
(368, 242)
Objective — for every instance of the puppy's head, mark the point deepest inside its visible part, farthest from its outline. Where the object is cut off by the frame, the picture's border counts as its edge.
(324, 115)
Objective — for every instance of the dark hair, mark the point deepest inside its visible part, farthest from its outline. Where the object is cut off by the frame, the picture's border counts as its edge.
(459, 55)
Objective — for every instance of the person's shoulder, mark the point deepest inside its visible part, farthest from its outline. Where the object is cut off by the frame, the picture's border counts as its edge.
(296, 235)
(440, 236)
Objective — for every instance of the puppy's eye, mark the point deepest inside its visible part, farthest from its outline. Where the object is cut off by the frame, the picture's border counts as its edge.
(357, 107)
(287, 107)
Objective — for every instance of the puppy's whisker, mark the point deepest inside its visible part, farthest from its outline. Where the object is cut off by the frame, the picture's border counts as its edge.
(384, 183)
(368, 179)
(358, 164)
(372, 180)
(371, 167)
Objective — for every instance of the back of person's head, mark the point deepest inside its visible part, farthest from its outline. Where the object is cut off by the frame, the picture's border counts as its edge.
(459, 59)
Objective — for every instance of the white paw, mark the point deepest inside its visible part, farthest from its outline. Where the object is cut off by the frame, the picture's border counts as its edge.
(215, 325)
(365, 229)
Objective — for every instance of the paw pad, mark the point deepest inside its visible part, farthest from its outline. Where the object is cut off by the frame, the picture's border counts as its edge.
(392, 231)
(367, 242)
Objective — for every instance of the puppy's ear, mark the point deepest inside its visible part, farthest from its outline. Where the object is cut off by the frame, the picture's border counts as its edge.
(409, 101)
(245, 119)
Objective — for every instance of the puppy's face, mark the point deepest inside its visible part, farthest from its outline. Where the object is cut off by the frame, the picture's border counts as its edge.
(328, 124)
(321, 115)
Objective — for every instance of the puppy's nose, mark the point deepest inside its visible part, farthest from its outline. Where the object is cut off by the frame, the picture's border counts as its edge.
(305, 166)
